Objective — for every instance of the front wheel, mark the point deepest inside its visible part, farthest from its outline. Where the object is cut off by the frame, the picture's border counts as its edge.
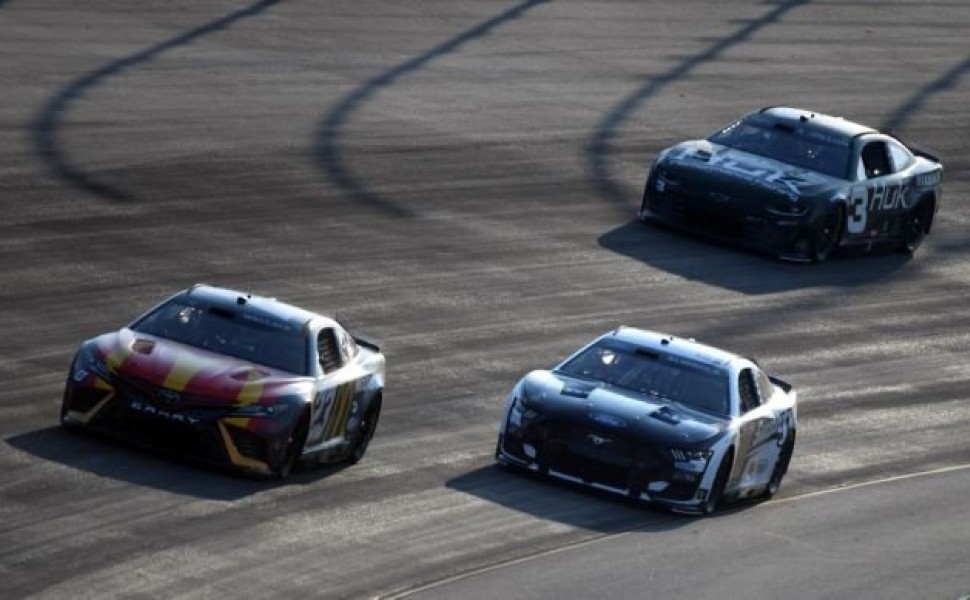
(717, 490)
(294, 447)
(825, 239)
(365, 432)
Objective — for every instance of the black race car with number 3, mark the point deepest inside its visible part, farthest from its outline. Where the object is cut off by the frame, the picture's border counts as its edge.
(655, 418)
(798, 184)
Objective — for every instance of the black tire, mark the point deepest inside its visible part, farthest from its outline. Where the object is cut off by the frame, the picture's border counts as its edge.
(916, 225)
(825, 239)
(365, 432)
(64, 407)
(720, 481)
(294, 447)
(781, 467)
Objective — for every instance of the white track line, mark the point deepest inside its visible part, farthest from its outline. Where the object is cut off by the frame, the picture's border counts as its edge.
(635, 528)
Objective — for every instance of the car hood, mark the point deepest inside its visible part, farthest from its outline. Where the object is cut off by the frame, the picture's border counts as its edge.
(189, 371)
(599, 406)
(702, 165)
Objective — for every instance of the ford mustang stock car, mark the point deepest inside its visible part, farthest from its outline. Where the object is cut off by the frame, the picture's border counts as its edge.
(231, 378)
(797, 184)
(656, 418)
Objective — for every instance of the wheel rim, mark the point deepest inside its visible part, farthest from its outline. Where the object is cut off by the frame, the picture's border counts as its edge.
(915, 233)
(828, 235)
(365, 433)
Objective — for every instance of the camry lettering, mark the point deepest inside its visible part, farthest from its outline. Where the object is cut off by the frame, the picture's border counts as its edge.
(148, 409)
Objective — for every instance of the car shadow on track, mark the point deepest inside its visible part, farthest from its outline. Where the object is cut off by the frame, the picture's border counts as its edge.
(103, 457)
(729, 267)
(563, 502)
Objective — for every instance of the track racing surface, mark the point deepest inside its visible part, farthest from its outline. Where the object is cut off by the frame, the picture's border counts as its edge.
(458, 178)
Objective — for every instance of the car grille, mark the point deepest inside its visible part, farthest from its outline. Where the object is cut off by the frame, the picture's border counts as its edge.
(184, 427)
(597, 455)
(133, 388)
(726, 220)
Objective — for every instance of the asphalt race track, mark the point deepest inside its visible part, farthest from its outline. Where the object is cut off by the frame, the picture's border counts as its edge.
(458, 178)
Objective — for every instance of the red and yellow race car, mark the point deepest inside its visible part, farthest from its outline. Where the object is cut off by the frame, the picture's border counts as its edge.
(231, 378)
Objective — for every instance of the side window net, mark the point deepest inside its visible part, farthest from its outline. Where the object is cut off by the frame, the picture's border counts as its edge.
(747, 391)
(329, 352)
(876, 160)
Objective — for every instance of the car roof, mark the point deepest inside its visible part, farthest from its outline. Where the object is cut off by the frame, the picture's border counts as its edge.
(831, 125)
(235, 300)
(684, 347)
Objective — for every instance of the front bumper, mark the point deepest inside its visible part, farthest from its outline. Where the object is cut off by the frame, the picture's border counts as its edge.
(629, 469)
(132, 411)
(788, 237)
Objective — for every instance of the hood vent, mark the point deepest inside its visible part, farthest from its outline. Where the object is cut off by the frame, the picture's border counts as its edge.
(667, 415)
(143, 346)
(576, 391)
(701, 155)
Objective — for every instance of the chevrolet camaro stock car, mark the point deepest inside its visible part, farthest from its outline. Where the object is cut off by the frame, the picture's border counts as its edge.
(797, 184)
(656, 418)
(231, 378)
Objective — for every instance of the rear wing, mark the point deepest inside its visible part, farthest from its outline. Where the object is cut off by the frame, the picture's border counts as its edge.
(784, 385)
(362, 340)
(924, 154)
(367, 342)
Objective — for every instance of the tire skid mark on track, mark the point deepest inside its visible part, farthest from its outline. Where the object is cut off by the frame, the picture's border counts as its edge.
(328, 151)
(947, 81)
(47, 125)
(599, 148)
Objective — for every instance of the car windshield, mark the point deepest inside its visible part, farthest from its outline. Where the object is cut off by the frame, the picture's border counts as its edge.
(254, 337)
(804, 146)
(661, 375)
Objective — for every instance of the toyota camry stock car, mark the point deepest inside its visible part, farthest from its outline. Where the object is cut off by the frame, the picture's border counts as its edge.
(233, 379)
(797, 184)
(656, 418)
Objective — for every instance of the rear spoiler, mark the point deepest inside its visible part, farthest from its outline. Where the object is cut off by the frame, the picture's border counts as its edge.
(362, 340)
(917, 151)
(784, 385)
(366, 342)
(925, 154)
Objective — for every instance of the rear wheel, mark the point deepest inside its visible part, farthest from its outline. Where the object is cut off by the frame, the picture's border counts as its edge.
(294, 447)
(916, 225)
(825, 238)
(717, 490)
(365, 432)
(781, 467)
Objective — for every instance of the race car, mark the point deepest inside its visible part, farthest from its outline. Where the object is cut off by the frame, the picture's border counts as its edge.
(797, 184)
(230, 378)
(656, 418)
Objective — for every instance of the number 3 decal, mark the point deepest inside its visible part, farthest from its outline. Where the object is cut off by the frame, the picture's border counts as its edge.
(856, 219)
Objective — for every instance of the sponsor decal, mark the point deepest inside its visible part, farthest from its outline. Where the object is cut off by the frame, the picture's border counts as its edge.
(598, 440)
(146, 408)
(747, 170)
(607, 419)
(340, 409)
